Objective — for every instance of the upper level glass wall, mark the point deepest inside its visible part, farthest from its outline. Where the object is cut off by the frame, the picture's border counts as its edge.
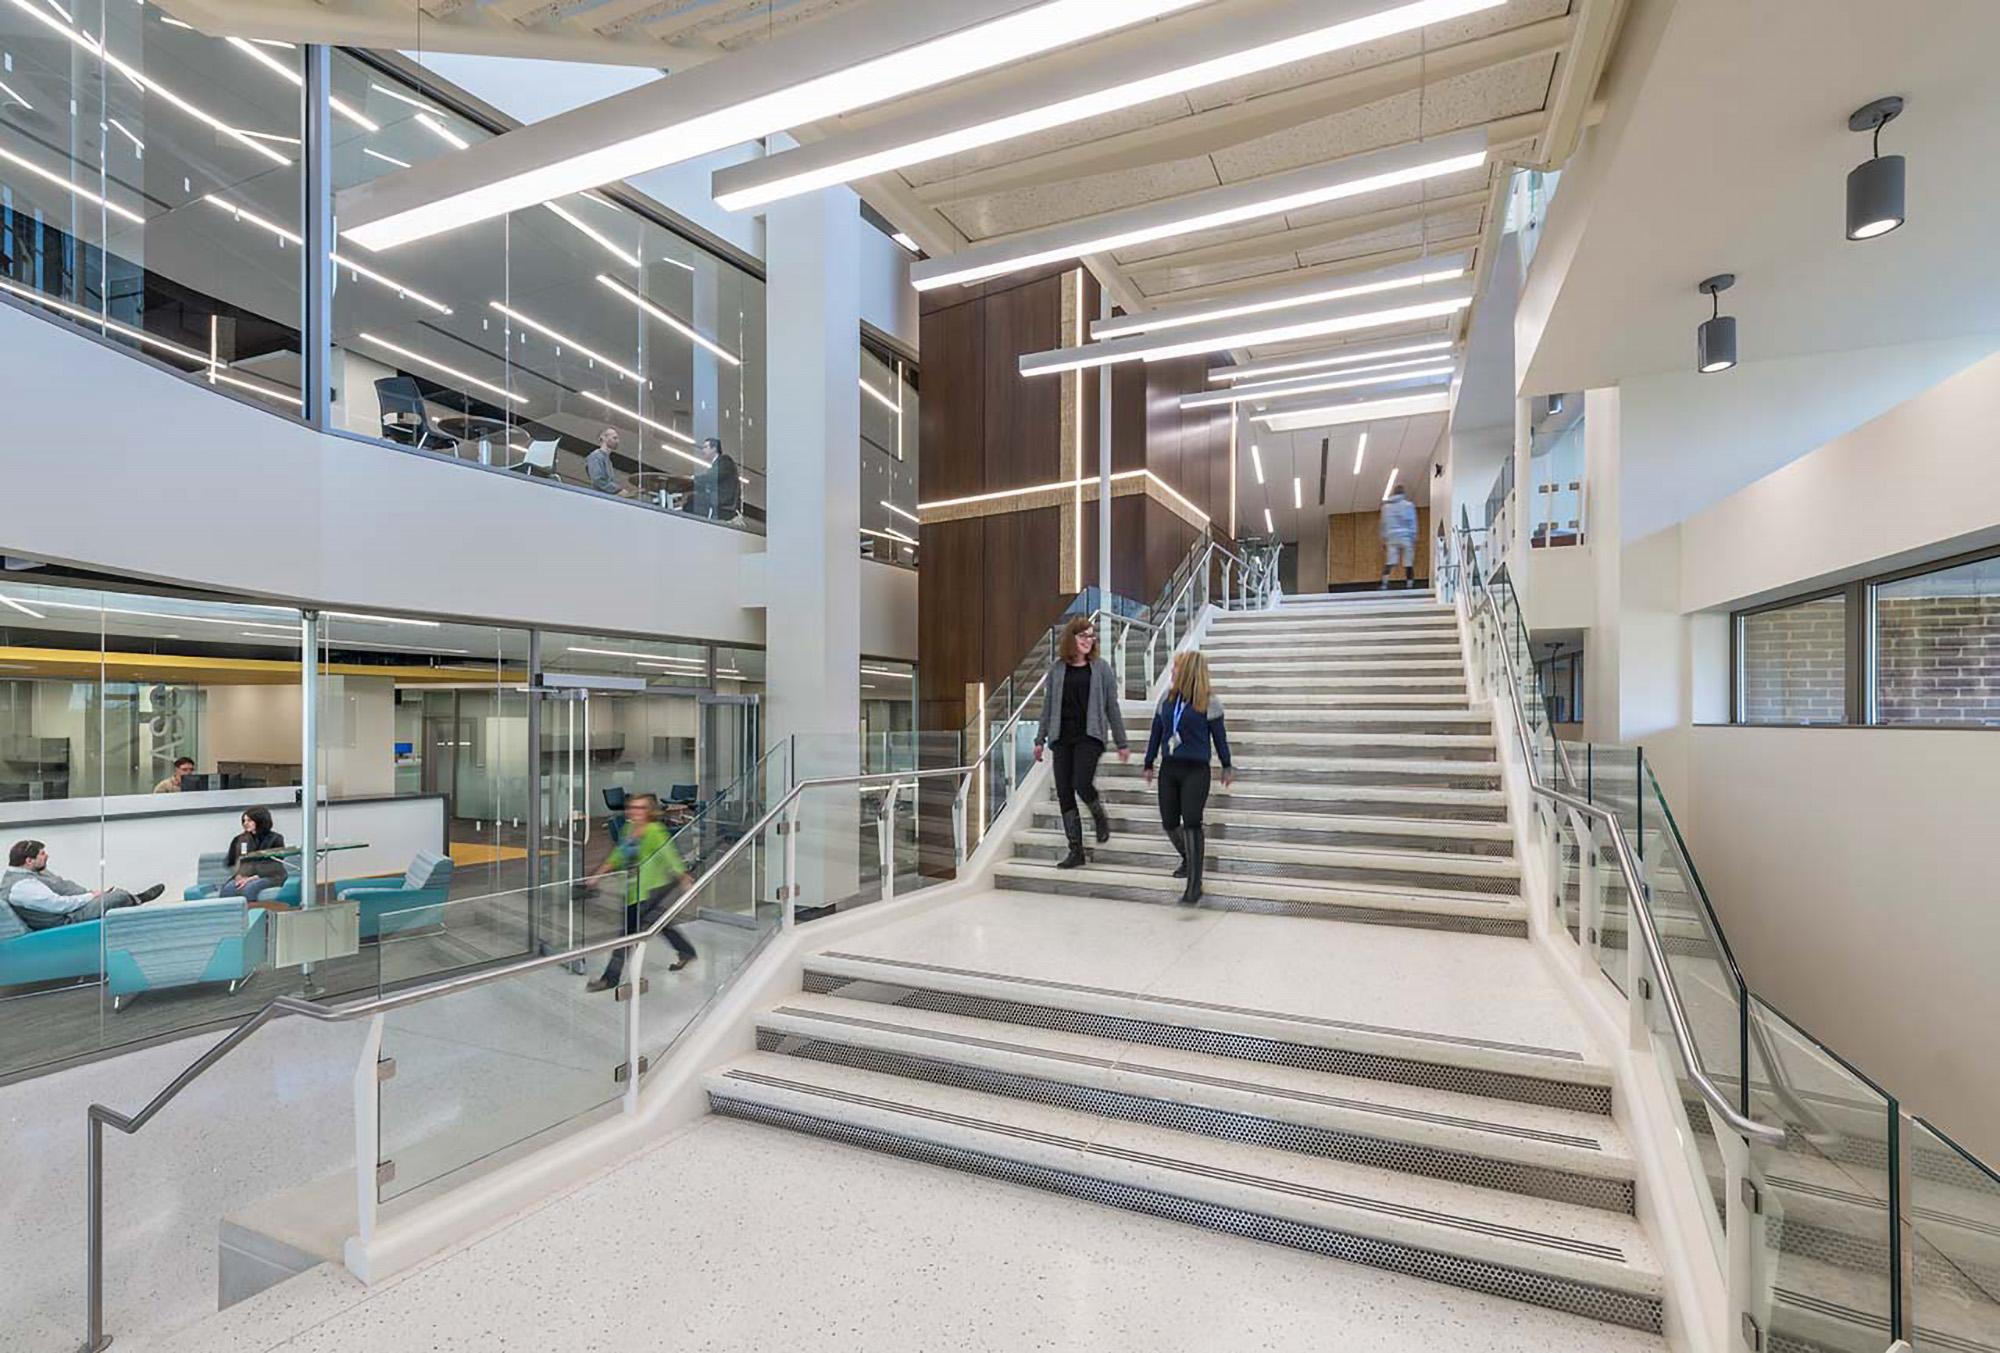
(151, 191)
(888, 457)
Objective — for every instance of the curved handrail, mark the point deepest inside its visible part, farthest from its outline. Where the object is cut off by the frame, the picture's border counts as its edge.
(1670, 996)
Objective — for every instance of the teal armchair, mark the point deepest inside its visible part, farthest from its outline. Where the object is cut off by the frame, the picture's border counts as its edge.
(69, 951)
(416, 902)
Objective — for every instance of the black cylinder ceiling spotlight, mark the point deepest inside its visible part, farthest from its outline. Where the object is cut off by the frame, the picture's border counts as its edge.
(1875, 186)
(1715, 340)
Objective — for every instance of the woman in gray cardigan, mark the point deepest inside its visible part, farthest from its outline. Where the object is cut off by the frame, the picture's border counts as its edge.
(1079, 707)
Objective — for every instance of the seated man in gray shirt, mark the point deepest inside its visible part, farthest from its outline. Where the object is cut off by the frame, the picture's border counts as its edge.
(598, 464)
(44, 901)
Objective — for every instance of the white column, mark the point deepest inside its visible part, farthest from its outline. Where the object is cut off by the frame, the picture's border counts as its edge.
(813, 565)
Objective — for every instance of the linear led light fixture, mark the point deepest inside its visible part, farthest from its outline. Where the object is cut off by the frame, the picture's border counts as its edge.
(339, 105)
(906, 516)
(1170, 64)
(1287, 297)
(436, 365)
(15, 95)
(891, 405)
(1316, 361)
(1298, 493)
(627, 653)
(1391, 486)
(1328, 317)
(589, 231)
(147, 83)
(373, 619)
(386, 159)
(1292, 385)
(1360, 450)
(660, 428)
(22, 607)
(50, 176)
(1257, 462)
(528, 322)
(269, 392)
(1241, 395)
(358, 269)
(1165, 487)
(1313, 185)
(92, 317)
(685, 330)
(401, 97)
(138, 146)
(1269, 528)
(432, 124)
(1357, 411)
(888, 535)
(907, 243)
(827, 69)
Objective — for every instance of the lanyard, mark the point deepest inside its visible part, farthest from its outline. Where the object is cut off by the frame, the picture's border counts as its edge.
(1174, 738)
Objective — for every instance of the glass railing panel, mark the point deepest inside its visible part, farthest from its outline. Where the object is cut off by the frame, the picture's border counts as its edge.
(1572, 869)
(724, 819)
(1823, 1251)
(505, 1062)
(1951, 1220)
(1693, 1128)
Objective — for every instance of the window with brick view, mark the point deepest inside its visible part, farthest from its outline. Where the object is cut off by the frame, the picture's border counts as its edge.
(1793, 663)
(1937, 646)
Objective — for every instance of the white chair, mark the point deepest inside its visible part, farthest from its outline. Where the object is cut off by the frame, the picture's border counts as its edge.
(540, 458)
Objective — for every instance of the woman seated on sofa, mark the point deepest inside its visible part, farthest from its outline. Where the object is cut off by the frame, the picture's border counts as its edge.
(250, 877)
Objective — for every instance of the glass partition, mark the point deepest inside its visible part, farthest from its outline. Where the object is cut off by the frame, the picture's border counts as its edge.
(577, 342)
(1557, 502)
(134, 153)
(1952, 1218)
(888, 458)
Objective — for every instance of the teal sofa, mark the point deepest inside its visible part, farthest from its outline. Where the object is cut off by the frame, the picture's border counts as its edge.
(69, 951)
(164, 945)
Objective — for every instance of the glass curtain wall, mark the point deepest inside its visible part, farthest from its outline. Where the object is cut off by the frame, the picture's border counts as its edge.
(152, 742)
(888, 457)
(151, 192)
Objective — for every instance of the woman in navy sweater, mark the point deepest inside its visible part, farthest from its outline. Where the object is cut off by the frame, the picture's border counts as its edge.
(1188, 725)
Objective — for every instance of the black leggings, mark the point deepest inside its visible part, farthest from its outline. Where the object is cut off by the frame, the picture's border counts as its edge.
(1076, 771)
(1183, 792)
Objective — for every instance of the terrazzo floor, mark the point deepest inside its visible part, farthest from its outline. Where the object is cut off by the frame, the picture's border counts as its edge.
(733, 1236)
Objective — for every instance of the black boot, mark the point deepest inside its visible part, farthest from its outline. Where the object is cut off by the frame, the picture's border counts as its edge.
(1409, 577)
(1100, 820)
(1193, 837)
(1385, 580)
(1179, 838)
(1073, 829)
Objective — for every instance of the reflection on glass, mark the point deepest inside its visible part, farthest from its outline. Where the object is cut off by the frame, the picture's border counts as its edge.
(888, 458)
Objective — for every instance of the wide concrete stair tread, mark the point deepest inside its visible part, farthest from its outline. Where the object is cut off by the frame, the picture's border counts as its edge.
(1269, 767)
(1422, 833)
(1336, 741)
(1424, 699)
(1307, 686)
(1822, 1305)
(1155, 845)
(1399, 659)
(1580, 1244)
(1851, 1200)
(1547, 1075)
(1558, 1139)
(1360, 642)
(1300, 794)
(1268, 712)
(1399, 904)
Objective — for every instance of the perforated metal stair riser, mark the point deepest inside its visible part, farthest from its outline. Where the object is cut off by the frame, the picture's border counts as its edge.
(1540, 1289)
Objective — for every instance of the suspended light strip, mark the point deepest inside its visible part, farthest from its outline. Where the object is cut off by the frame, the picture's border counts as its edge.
(906, 516)
(1242, 394)
(92, 317)
(685, 330)
(265, 59)
(888, 535)
(627, 653)
(1360, 450)
(1294, 384)
(529, 322)
(1391, 487)
(400, 96)
(1247, 45)
(1257, 462)
(1298, 494)
(372, 619)
(1281, 298)
(269, 392)
(23, 608)
(830, 69)
(1220, 335)
(1269, 527)
(137, 145)
(660, 428)
(1360, 411)
(151, 86)
(50, 176)
(436, 365)
(358, 269)
(1059, 484)
(629, 259)
(14, 94)
(1311, 186)
(435, 127)
(891, 405)
(1279, 365)
(908, 243)
(386, 159)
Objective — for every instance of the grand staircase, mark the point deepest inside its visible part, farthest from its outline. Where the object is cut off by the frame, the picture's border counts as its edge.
(1039, 1041)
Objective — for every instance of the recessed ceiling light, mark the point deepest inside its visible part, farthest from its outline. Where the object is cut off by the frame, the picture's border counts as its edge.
(830, 68)
(1312, 185)
(1174, 64)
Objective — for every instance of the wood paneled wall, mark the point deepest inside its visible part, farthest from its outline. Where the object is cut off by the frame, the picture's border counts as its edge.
(989, 586)
(1354, 553)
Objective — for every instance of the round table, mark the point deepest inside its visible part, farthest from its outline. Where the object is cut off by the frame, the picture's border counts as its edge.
(473, 427)
(659, 485)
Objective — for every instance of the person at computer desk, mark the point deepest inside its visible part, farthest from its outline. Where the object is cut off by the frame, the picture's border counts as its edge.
(718, 490)
(172, 784)
(598, 465)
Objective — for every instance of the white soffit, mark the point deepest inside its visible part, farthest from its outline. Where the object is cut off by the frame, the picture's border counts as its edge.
(1327, 317)
(1312, 185)
(872, 53)
(1175, 62)
(1387, 283)
(1357, 411)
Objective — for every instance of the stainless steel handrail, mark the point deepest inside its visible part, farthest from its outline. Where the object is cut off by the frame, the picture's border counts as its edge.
(100, 1115)
(1628, 865)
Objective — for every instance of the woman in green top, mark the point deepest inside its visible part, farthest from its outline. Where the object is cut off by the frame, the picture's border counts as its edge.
(652, 868)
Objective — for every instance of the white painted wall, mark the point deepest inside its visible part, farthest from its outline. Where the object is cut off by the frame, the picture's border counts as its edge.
(888, 611)
(133, 489)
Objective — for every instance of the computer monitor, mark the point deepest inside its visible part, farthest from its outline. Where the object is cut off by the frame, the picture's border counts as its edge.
(684, 793)
(194, 784)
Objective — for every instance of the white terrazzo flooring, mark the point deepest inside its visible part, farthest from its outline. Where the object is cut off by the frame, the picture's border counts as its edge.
(1459, 986)
(733, 1236)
